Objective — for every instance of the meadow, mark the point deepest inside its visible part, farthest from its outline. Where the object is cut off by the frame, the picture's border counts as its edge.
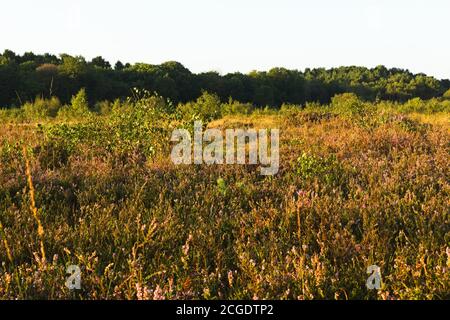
(359, 184)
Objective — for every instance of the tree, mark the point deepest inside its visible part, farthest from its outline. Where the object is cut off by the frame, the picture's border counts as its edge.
(28, 56)
(79, 102)
(50, 58)
(72, 66)
(47, 73)
(78, 106)
(119, 66)
(9, 82)
(100, 63)
(447, 94)
(206, 108)
(10, 55)
(348, 103)
(22, 77)
(3, 60)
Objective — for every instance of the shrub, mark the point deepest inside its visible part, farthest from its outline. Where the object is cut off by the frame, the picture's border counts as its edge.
(206, 108)
(314, 106)
(137, 127)
(141, 123)
(236, 107)
(446, 95)
(103, 107)
(349, 104)
(411, 125)
(42, 108)
(79, 102)
(329, 171)
(435, 105)
(78, 107)
(413, 105)
(107, 107)
(290, 109)
(14, 114)
(266, 111)
(421, 106)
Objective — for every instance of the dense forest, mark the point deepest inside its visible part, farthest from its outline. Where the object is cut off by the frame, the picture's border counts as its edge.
(25, 77)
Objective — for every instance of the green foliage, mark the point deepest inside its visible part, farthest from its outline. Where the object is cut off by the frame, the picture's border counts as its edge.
(9, 151)
(72, 66)
(413, 105)
(103, 107)
(222, 186)
(100, 62)
(312, 112)
(446, 94)
(328, 171)
(411, 125)
(139, 126)
(12, 115)
(206, 108)
(78, 107)
(265, 111)
(139, 229)
(290, 110)
(31, 75)
(349, 104)
(71, 137)
(79, 102)
(42, 108)
(107, 107)
(234, 107)
(428, 107)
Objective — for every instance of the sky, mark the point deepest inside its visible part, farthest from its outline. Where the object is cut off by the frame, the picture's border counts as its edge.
(237, 35)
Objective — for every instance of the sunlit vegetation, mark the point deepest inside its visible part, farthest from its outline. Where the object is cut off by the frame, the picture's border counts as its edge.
(360, 183)
(25, 77)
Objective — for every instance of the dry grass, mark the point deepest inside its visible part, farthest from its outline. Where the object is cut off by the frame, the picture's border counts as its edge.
(348, 195)
(40, 230)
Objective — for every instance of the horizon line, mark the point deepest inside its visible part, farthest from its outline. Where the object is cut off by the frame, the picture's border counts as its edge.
(89, 58)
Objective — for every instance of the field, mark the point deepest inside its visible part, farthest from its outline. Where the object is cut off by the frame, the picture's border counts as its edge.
(359, 184)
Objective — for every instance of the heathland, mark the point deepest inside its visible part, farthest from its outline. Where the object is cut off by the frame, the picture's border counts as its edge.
(360, 183)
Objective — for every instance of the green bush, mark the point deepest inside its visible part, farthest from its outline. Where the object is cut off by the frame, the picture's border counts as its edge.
(413, 105)
(103, 107)
(314, 106)
(141, 123)
(206, 108)
(328, 171)
(236, 107)
(266, 111)
(349, 104)
(446, 95)
(436, 105)
(425, 106)
(78, 107)
(290, 109)
(13, 115)
(139, 126)
(42, 108)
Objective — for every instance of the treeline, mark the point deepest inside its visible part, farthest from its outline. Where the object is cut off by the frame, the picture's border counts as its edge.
(25, 77)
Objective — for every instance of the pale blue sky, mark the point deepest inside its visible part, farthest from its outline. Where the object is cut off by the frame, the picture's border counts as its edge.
(237, 35)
